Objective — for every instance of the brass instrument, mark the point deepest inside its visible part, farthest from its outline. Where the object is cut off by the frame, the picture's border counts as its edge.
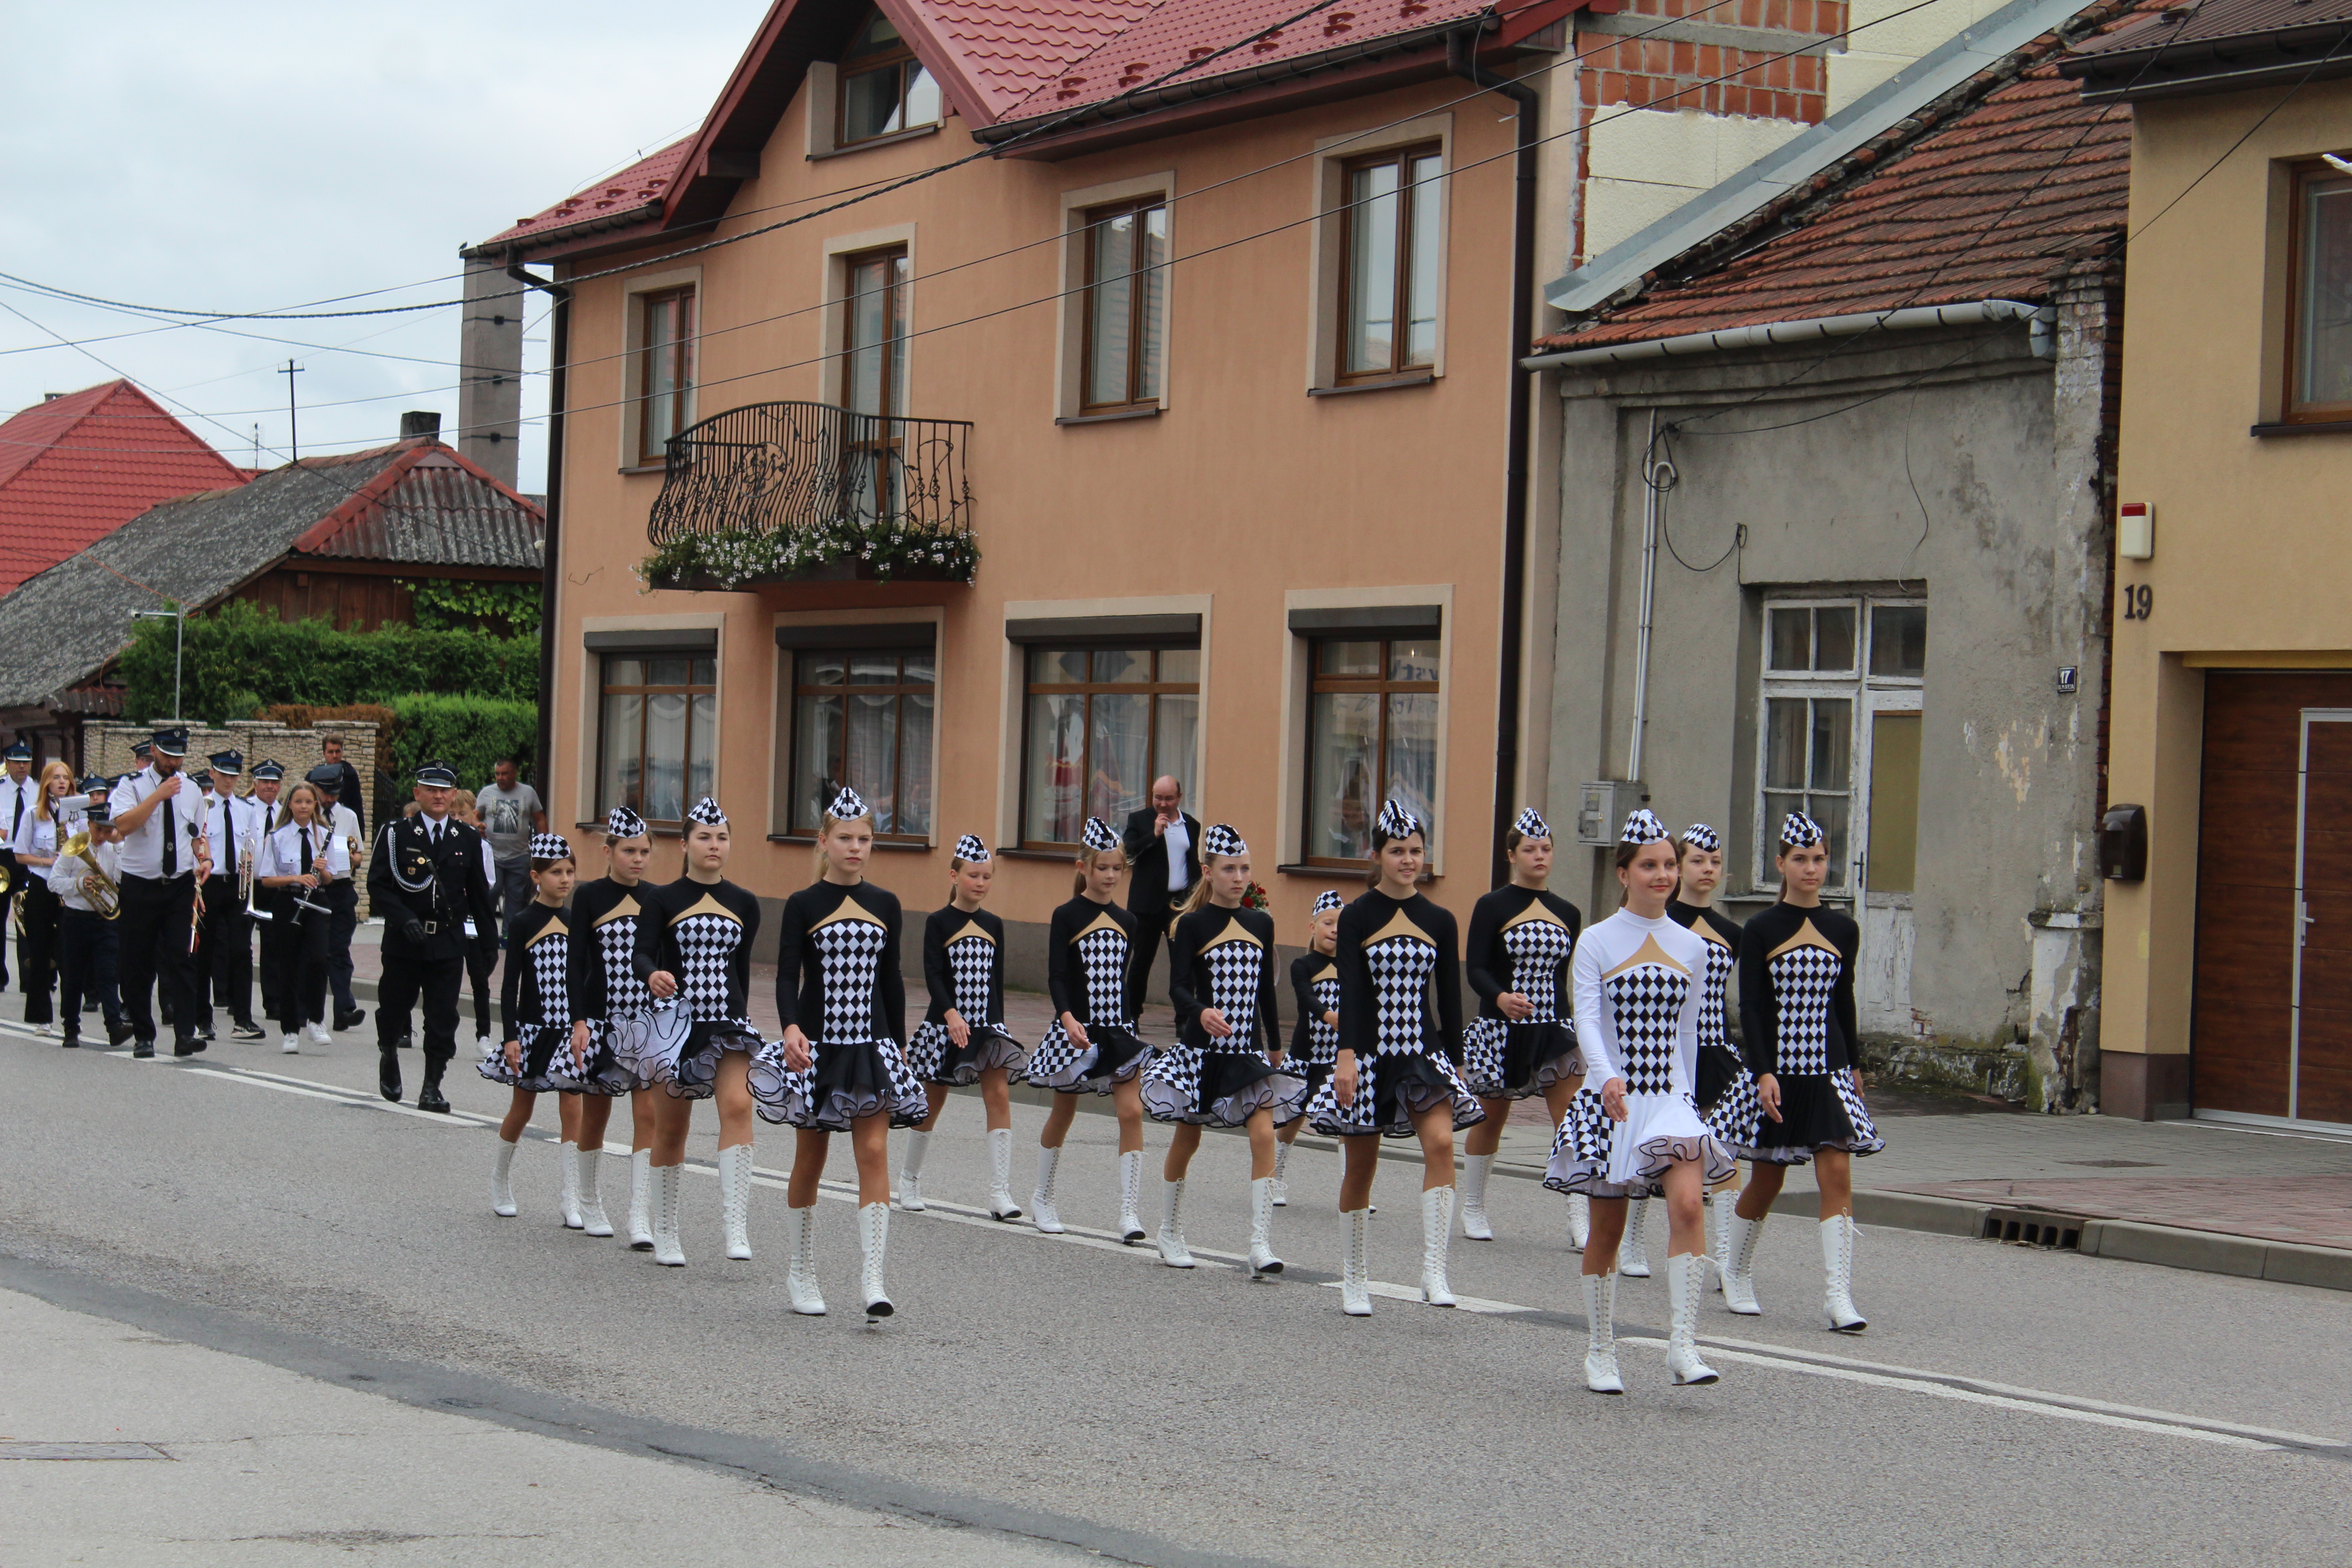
(105, 897)
(197, 912)
(245, 877)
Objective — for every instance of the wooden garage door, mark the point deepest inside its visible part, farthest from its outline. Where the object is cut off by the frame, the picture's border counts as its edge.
(2245, 1024)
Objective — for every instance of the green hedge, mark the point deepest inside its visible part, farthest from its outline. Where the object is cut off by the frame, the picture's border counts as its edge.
(470, 733)
(239, 658)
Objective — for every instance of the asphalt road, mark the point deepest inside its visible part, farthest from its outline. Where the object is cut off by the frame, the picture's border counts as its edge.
(1064, 1393)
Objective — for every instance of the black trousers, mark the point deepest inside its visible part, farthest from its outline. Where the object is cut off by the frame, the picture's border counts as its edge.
(301, 966)
(17, 876)
(1147, 947)
(154, 929)
(37, 950)
(436, 980)
(481, 958)
(228, 942)
(343, 896)
(86, 947)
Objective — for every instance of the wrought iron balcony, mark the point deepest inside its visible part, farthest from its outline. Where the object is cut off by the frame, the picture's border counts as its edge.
(779, 491)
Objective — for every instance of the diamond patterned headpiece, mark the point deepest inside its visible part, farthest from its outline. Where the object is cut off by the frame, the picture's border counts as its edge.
(1327, 900)
(847, 806)
(1097, 834)
(1643, 827)
(1799, 832)
(1531, 825)
(1219, 839)
(1397, 820)
(549, 847)
(622, 823)
(706, 812)
(1699, 836)
(970, 849)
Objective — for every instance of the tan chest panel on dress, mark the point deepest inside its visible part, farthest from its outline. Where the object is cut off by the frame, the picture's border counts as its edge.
(1648, 953)
(708, 905)
(625, 909)
(1803, 936)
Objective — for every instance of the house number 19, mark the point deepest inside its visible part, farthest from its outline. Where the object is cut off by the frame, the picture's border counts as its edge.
(2139, 601)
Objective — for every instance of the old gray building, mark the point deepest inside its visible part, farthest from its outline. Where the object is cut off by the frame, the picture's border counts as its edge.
(1834, 534)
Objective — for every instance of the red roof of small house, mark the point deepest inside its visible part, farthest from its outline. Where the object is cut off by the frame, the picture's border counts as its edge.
(1995, 193)
(634, 194)
(78, 466)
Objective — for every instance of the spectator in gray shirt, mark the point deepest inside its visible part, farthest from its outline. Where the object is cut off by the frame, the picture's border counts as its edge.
(510, 813)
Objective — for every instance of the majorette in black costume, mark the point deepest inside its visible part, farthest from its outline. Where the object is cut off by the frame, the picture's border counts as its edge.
(611, 1004)
(1089, 944)
(1220, 972)
(1520, 937)
(963, 968)
(1727, 1090)
(1315, 1037)
(1797, 1007)
(535, 999)
(1400, 1018)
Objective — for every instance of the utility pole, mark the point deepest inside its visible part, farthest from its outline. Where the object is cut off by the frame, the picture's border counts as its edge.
(293, 431)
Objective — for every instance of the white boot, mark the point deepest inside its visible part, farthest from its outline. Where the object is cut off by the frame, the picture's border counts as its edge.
(1600, 1373)
(1041, 1202)
(1739, 1265)
(641, 1200)
(1130, 1195)
(569, 1202)
(1356, 1273)
(1281, 1176)
(592, 1203)
(1579, 1221)
(1000, 1170)
(1474, 1196)
(1632, 1256)
(873, 1234)
(669, 1181)
(1837, 1264)
(910, 1172)
(1437, 1241)
(1685, 1283)
(1263, 1262)
(1170, 1240)
(503, 1202)
(735, 1199)
(800, 1280)
(1718, 1233)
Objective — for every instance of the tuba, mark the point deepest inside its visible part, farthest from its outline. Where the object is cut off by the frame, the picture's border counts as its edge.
(105, 897)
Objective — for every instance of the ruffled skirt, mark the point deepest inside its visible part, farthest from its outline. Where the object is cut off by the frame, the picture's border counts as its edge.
(605, 1073)
(1602, 1158)
(933, 1057)
(1735, 1112)
(539, 1043)
(1818, 1110)
(686, 1063)
(1220, 1089)
(1503, 1060)
(1060, 1064)
(1392, 1089)
(846, 1081)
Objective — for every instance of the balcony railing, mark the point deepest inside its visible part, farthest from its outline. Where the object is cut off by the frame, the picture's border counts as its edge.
(808, 483)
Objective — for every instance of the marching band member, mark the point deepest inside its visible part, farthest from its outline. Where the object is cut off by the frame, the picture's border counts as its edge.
(57, 807)
(164, 853)
(337, 780)
(426, 880)
(83, 881)
(482, 938)
(1315, 1038)
(269, 778)
(962, 1038)
(609, 1004)
(19, 792)
(293, 861)
(535, 1000)
(236, 824)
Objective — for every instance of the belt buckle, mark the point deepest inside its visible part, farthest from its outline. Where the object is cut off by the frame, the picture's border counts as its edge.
(432, 928)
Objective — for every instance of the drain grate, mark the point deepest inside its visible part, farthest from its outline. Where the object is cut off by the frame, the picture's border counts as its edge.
(2032, 1227)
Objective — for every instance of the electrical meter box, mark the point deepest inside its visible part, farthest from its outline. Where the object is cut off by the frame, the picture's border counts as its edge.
(1602, 808)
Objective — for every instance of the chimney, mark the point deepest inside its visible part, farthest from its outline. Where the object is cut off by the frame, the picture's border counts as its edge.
(420, 424)
(489, 372)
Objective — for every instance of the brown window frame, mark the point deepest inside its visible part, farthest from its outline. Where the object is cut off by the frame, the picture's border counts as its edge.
(884, 448)
(643, 691)
(803, 688)
(1155, 687)
(1142, 303)
(894, 56)
(1400, 320)
(2290, 410)
(1319, 684)
(652, 446)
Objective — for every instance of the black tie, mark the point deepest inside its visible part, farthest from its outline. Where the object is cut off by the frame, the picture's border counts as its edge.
(306, 850)
(228, 826)
(16, 820)
(170, 844)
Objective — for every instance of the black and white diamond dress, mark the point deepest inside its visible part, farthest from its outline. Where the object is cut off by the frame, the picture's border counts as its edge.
(1314, 1043)
(1520, 940)
(1392, 955)
(702, 934)
(1639, 985)
(606, 991)
(838, 977)
(1796, 1004)
(1726, 1089)
(1224, 958)
(535, 1000)
(1088, 947)
(963, 965)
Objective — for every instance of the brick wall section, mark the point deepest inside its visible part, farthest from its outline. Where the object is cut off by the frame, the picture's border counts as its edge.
(1654, 73)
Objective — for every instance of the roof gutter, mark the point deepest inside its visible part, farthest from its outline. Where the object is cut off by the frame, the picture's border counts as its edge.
(549, 556)
(1982, 312)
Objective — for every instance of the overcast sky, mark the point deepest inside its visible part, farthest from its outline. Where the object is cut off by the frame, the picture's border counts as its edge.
(251, 157)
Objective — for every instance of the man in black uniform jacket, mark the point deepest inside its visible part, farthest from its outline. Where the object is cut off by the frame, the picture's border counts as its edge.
(1153, 890)
(426, 880)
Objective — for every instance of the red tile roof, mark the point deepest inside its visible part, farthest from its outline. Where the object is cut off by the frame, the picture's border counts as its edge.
(76, 468)
(1008, 50)
(641, 184)
(1995, 193)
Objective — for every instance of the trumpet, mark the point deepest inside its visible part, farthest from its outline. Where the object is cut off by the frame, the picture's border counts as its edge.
(245, 877)
(105, 897)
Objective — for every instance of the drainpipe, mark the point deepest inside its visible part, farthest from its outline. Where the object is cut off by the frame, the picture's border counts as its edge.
(560, 345)
(1655, 478)
(1462, 59)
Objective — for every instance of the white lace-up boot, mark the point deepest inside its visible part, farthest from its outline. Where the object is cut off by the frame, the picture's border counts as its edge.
(1436, 1242)
(1685, 1283)
(1356, 1273)
(1579, 1221)
(1262, 1259)
(800, 1280)
(1281, 1176)
(570, 1201)
(1474, 1196)
(1837, 1264)
(1719, 1208)
(1739, 1271)
(735, 1199)
(1000, 1170)
(1130, 1198)
(1170, 1240)
(503, 1202)
(1041, 1202)
(1600, 1373)
(910, 1172)
(592, 1203)
(873, 1235)
(669, 1183)
(641, 1200)
(1633, 1254)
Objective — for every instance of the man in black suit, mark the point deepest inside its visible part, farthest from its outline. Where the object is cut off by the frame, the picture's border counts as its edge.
(1163, 856)
(426, 880)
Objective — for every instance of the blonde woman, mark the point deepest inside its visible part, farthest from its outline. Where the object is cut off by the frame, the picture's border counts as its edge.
(962, 1038)
(1315, 1038)
(537, 1002)
(609, 1004)
(297, 859)
(47, 824)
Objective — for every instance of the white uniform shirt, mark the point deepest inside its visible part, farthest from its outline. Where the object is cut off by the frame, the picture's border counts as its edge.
(65, 877)
(249, 817)
(143, 851)
(35, 837)
(281, 853)
(346, 824)
(16, 804)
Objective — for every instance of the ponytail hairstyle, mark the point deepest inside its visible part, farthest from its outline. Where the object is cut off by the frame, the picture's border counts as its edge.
(1218, 842)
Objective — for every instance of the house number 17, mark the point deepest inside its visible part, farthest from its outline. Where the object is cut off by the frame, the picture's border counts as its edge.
(2139, 601)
